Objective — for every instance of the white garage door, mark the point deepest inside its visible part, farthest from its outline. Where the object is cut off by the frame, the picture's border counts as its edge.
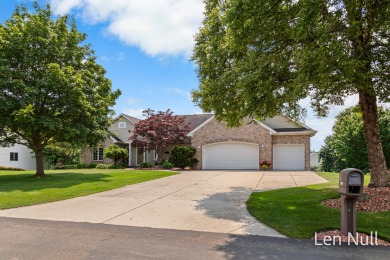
(230, 155)
(289, 157)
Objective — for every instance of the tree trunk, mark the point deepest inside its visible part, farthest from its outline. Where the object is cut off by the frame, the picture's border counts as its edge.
(380, 176)
(39, 162)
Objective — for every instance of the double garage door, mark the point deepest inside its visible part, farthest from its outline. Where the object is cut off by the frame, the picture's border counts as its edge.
(245, 156)
(230, 156)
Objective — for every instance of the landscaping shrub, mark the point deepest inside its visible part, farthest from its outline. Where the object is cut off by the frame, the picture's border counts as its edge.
(145, 165)
(167, 165)
(10, 168)
(115, 153)
(83, 165)
(64, 166)
(102, 166)
(91, 165)
(63, 153)
(182, 156)
(118, 166)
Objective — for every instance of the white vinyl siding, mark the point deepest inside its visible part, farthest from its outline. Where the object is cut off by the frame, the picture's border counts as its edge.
(231, 156)
(97, 154)
(13, 156)
(122, 125)
(289, 157)
(24, 158)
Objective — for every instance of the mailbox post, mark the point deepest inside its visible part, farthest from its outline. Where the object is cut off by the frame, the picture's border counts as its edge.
(351, 183)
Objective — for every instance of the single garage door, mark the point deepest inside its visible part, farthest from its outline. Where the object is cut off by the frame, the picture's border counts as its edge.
(230, 155)
(289, 157)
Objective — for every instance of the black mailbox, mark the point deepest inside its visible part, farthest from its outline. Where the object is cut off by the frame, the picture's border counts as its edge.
(351, 182)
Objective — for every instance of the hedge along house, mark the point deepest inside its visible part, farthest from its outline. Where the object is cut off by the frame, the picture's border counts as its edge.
(286, 144)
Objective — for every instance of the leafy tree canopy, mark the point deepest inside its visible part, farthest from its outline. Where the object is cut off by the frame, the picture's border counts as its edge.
(346, 147)
(159, 130)
(115, 153)
(260, 58)
(51, 88)
(62, 152)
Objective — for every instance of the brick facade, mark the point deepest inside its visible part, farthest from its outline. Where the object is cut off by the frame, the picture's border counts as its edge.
(86, 156)
(295, 139)
(216, 132)
(249, 132)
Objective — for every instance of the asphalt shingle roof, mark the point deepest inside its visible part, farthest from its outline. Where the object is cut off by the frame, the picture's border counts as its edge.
(195, 120)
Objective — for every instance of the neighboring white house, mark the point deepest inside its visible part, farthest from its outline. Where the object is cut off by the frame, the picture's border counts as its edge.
(18, 156)
(314, 159)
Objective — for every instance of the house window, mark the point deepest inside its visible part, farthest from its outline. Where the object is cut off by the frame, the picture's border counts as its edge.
(122, 125)
(14, 157)
(97, 154)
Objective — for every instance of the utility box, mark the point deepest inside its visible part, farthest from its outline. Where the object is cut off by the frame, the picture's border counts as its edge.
(351, 182)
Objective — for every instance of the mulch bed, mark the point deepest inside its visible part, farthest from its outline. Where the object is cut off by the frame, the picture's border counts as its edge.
(378, 201)
(163, 169)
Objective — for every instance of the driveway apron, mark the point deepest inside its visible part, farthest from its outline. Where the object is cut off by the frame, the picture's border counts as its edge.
(212, 201)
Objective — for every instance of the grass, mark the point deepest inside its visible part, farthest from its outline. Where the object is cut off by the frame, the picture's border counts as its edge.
(297, 212)
(21, 189)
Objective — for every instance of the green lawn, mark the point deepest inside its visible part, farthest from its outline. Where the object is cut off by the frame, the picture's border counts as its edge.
(297, 212)
(21, 189)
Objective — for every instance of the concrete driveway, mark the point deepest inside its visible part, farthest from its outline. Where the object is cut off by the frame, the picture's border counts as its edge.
(212, 201)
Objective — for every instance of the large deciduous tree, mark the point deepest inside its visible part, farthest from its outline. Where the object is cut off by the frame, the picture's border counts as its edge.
(260, 58)
(159, 130)
(51, 88)
(346, 147)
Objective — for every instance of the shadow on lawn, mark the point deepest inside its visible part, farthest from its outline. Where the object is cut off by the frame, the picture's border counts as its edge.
(26, 182)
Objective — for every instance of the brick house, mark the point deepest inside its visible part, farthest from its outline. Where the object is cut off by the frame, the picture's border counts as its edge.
(279, 140)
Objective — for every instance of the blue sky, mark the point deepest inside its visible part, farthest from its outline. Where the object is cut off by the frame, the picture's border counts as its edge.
(145, 46)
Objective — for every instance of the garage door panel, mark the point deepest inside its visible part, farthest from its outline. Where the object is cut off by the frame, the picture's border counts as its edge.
(289, 157)
(230, 155)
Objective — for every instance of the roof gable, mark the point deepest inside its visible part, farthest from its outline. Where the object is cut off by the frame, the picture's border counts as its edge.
(197, 121)
(284, 125)
(131, 119)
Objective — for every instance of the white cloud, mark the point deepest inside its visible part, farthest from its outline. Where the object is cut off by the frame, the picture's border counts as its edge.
(324, 126)
(198, 111)
(131, 101)
(134, 112)
(178, 91)
(64, 7)
(164, 27)
(121, 56)
(105, 58)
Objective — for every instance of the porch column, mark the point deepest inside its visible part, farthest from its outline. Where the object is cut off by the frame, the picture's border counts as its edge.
(144, 154)
(129, 154)
(136, 155)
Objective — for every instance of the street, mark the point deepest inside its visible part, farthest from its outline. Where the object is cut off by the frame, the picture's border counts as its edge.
(41, 239)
